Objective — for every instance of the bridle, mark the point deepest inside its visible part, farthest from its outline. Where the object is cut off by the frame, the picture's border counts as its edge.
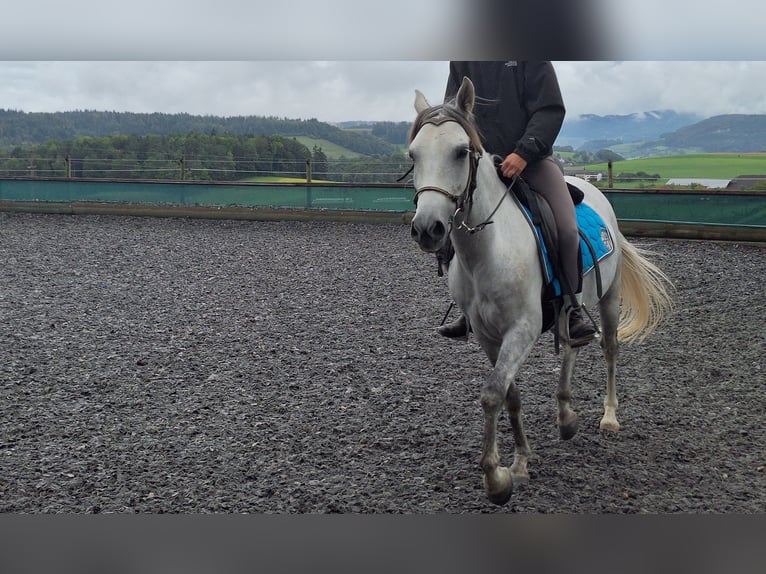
(474, 155)
(464, 200)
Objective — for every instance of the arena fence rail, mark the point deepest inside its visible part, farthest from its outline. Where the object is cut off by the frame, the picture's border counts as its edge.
(731, 216)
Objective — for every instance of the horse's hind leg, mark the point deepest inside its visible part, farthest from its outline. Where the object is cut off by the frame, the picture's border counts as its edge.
(567, 418)
(521, 452)
(610, 316)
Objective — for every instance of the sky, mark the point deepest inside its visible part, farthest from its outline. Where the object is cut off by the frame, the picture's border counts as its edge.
(345, 60)
(335, 91)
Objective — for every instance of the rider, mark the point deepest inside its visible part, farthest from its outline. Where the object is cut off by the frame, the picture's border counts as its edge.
(519, 112)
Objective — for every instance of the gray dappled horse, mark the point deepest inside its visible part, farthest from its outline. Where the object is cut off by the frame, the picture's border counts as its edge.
(496, 277)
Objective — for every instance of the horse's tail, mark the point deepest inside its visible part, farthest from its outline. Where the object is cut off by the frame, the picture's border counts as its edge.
(646, 298)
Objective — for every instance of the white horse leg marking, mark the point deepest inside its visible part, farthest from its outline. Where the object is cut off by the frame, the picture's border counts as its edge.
(567, 418)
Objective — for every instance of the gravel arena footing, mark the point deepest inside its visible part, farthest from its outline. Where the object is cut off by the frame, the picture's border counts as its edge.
(197, 366)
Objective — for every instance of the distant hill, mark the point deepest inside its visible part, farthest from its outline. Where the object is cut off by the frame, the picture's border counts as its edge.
(647, 134)
(19, 128)
(578, 131)
(630, 137)
(727, 133)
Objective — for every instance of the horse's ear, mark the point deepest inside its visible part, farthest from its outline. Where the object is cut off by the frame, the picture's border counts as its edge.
(420, 102)
(466, 95)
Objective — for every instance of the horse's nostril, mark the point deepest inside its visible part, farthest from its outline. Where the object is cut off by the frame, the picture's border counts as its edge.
(438, 230)
(414, 232)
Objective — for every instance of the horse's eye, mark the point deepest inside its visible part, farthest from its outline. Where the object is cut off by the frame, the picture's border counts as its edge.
(460, 153)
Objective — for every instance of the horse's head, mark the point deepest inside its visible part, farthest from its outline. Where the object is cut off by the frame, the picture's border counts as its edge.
(444, 147)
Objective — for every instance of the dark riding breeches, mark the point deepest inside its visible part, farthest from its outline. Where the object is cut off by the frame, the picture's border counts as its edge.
(546, 178)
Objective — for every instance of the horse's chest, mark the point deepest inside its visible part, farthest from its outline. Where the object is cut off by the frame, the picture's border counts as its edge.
(488, 290)
(488, 311)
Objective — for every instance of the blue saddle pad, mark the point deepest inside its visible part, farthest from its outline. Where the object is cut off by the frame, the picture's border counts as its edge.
(593, 227)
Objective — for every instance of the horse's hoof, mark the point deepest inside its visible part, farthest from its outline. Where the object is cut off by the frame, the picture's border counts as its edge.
(500, 498)
(612, 426)
(504, 490)
(569, 430)
(519, 481)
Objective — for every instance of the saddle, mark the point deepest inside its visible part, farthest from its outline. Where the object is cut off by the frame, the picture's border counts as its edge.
(541, 217)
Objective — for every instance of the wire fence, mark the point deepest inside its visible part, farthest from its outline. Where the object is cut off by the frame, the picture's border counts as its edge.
(370, 170)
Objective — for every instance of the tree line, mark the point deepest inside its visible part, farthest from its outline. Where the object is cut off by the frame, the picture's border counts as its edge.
(28, 128)
(193, 157)
(567, 155)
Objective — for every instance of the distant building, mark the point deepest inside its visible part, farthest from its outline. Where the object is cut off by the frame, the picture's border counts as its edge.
(587, 175)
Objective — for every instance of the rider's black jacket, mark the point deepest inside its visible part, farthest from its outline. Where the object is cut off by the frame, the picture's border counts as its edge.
(518, 106)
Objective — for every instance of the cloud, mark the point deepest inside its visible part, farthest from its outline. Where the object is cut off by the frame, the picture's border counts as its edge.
(329, 91)
(336, 91)
(344, 60)
(700, 87)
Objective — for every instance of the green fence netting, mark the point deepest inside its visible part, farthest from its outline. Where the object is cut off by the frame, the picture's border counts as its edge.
(693, 208)
(316, 196)
(706, 208)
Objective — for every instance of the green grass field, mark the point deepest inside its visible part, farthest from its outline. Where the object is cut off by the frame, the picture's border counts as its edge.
(717, 166)
(331, 150)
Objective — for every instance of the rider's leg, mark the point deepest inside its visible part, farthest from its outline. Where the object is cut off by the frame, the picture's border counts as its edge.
(456, 329)
(547, 179)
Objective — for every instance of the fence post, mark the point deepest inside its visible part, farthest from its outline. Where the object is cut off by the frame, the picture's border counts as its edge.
(68, 166)
(182, 163)
(609, 174)
(308, 170)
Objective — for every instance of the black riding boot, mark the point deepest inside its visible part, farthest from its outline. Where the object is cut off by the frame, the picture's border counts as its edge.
(458, 328)
(580, 332)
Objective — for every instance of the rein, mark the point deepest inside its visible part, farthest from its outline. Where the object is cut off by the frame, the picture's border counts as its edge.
(488, 220)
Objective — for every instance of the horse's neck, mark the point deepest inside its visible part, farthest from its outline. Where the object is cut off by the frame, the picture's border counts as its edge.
(507, 221)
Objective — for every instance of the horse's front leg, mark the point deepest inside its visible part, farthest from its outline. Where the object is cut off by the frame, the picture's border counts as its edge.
(500, 390)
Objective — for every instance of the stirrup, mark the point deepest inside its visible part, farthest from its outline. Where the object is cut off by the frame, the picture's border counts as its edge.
(584, 333)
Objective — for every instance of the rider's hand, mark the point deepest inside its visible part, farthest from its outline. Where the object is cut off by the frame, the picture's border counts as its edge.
(512, 165)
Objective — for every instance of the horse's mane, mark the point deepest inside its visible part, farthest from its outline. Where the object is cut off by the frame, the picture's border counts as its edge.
(447, 112)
